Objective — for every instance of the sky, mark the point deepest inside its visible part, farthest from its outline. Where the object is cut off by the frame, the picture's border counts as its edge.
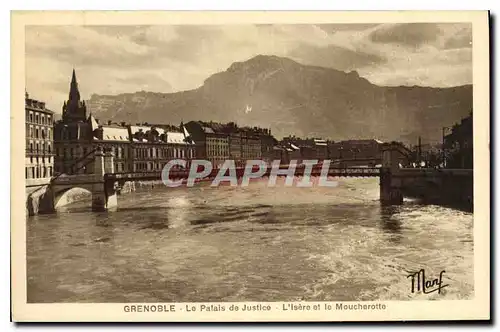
(169, 58)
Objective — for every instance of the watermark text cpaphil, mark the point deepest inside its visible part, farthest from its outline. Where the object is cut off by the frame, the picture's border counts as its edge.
(311, 172)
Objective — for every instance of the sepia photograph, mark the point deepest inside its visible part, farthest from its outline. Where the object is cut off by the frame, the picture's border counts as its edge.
(258, 166)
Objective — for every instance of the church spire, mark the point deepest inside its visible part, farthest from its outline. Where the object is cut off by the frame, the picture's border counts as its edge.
(74, 93)
(74, 109)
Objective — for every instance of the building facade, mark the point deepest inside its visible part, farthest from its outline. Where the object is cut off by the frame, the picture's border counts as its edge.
(355, 149)
(251, 147)
(235, 148)
(458, 145)
(211, 140)
(267, 143)
(114, 138)
(218, 142)
(39, 154)
(305, 148)
(153, 147)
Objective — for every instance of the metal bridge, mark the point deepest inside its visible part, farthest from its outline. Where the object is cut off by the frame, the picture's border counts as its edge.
(239, 171)
(104, 183)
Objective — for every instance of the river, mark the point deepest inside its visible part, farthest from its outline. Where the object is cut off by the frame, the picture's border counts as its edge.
(248, 244)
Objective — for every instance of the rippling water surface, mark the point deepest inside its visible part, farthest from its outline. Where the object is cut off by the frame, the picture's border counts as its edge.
(248, 244)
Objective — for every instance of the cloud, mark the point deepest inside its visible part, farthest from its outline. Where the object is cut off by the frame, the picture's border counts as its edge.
(336, 57)
(440, 35)
(437, 68)
(409, 34)
(461, 37)
(333, 28)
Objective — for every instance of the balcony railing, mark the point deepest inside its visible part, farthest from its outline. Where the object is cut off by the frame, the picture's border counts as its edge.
(34, 152)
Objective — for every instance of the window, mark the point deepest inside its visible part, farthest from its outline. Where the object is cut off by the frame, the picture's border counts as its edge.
(48, 148)
(49, 118)
(36, 118)
(31, 116)
(43, 134)
(36, 133)
(36, 147)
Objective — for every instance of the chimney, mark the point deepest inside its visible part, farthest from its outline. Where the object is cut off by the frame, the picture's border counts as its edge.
(123, 123)
(99, 133)
(109, 122)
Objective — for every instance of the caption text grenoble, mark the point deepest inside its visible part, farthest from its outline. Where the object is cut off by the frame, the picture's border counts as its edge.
(284, 307)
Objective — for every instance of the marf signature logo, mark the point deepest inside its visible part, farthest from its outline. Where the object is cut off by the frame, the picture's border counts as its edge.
(419, 283)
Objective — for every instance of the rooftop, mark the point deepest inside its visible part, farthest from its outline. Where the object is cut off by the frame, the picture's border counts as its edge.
(36, 105)
(113, 133)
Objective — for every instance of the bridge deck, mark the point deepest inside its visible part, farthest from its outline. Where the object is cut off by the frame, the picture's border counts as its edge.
(182, 174)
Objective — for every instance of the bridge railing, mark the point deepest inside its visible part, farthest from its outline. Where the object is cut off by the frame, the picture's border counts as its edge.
(299, 171)
(75, 163)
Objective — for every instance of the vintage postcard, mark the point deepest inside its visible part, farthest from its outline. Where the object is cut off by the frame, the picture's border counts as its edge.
(250, 166)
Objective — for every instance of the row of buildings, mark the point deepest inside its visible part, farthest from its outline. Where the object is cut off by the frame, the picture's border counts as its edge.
(67, 146)
(292, 147)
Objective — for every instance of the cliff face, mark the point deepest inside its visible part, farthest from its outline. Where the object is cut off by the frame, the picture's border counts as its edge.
(291, 98)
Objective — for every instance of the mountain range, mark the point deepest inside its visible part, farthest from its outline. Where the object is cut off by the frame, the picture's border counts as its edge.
(292, 98)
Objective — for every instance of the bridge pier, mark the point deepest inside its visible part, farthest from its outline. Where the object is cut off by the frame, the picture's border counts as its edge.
(104, 197)
(390, 185)
(390, 188)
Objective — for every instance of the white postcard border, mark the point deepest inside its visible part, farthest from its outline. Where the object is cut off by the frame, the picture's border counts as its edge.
(476, 308)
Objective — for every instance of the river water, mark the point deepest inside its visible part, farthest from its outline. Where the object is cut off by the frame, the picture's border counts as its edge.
(248, 244)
